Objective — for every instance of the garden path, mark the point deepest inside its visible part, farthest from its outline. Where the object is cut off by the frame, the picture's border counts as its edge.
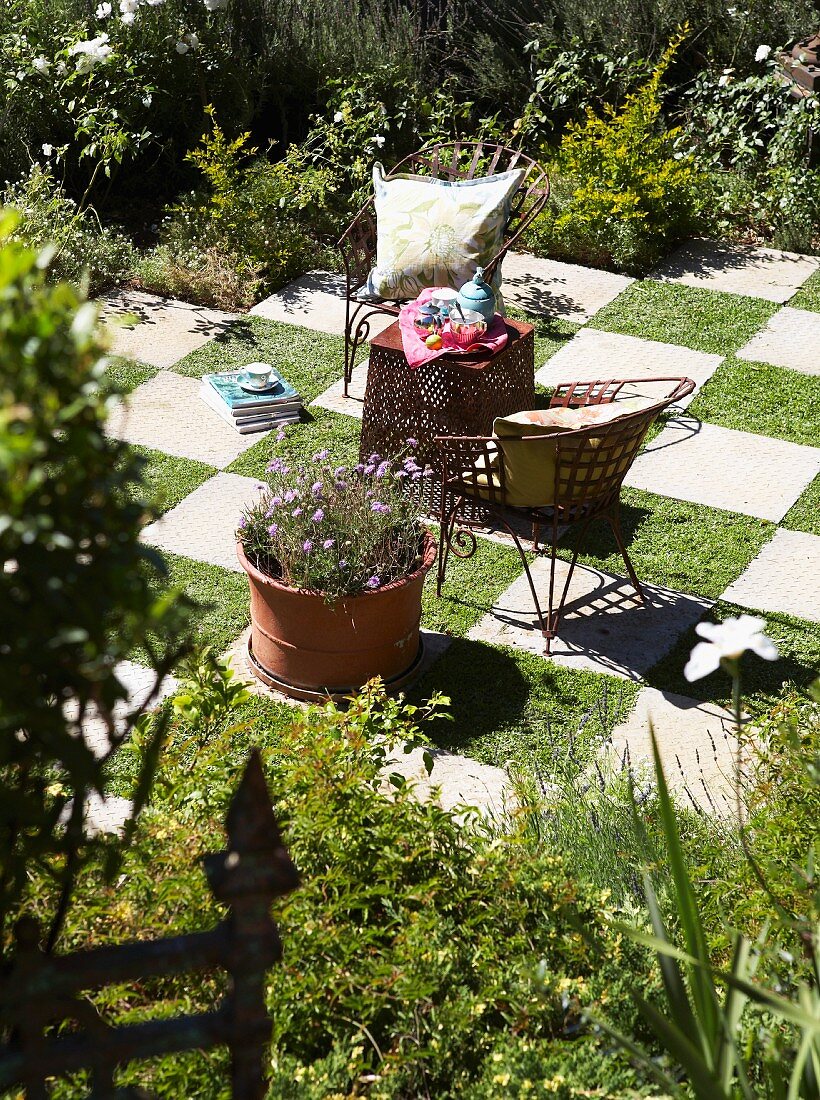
(723, 504)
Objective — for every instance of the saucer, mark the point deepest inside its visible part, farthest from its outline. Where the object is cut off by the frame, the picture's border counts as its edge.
(244, 381)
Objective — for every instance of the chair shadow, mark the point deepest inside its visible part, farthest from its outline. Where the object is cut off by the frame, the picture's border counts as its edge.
(707, 258)
(539, 297)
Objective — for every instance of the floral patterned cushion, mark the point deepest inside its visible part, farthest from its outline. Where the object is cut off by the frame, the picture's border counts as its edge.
(437, 232)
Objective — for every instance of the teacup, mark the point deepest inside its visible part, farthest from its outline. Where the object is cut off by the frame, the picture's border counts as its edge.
(258, 375)
(443, 299)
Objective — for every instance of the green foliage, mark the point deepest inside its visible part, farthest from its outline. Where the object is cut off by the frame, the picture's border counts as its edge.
(632, 194)
(750, 134)
(245, 231)
(707, 1008)
(85, 251)
(409, 946)
(74, 587)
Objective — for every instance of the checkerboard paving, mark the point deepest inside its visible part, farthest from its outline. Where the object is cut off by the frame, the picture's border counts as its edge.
(790, 339)
(592, 354)
(723, 468)
(699, 761)
(334, 397)
(158, 331)
(166, 414)
(316, 301)
(605, 629)
(784, 577)
(738, 269)
(549, 288)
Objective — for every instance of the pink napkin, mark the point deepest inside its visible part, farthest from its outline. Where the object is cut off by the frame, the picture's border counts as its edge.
(418, 353)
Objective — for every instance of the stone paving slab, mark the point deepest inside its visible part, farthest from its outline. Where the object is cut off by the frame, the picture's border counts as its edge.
(138, 682)
(738, 269)
(790, 339)
(167, 414)
(551, 288)
(159, 331)
(315, 301)
(334, 397)
(722, 468)
(454, 783)
(592, 354)
(784, 577)
(604, 629)
(697, 743)
(203, 525)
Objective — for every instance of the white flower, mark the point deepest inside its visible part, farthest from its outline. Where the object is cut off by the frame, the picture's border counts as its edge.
(146, 100)
(47, 149)
(215, 5)
(41, 64)
(61, 67)
(725, 77)
(192, 39)
(378, 141)
(338, 117)
(762, 52)
(89, 53)
(182, 47)
(128, 17)
(728, 640)
(103, 10)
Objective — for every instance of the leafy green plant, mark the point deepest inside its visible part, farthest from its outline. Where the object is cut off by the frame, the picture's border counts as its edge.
(708, 1007)
(74, 586)
(84, 249)
(631, 193)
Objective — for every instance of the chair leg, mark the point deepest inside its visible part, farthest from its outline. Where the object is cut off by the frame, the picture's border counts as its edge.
(556, 613)
(536, 532)
(614, 518)
(446, 525)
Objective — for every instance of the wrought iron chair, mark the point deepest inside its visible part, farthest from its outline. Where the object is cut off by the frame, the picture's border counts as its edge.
(462, 160)
(590, 466)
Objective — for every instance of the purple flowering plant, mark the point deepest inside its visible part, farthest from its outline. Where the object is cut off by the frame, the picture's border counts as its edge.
(334, 529)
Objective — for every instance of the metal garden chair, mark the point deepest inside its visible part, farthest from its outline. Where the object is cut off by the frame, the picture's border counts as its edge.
(461, 160)
(590, 465)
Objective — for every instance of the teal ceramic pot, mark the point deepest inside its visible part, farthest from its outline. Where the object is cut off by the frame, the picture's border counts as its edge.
(479, 296)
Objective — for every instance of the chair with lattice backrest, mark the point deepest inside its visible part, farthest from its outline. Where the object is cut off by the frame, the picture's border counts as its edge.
(461, 160)
(585, 469)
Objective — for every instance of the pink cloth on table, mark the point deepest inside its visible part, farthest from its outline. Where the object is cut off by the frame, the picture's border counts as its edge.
(416, 351)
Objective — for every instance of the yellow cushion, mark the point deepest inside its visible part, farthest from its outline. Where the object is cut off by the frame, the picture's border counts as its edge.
(529, 468)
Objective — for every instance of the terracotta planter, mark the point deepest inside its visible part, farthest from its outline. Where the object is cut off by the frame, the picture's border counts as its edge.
(307, 648)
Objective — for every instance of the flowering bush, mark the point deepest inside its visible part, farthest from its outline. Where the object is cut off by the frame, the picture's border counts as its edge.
(334, 530)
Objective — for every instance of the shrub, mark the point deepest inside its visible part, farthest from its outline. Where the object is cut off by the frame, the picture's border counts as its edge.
(411, 946)
(73, 588)
(85, 252)
(632, 194)
(244, 232)
(751, 136)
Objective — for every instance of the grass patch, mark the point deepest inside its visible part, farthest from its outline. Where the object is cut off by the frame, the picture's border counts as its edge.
(470, 589)
(687, 547)
(804, 515)
(323, 429)
(763, 681)
(767, 400)
(691, 317)
(221, 596)
(124, 375)
(310, 361)
(808, 296)
(167, 479)
(510, 705)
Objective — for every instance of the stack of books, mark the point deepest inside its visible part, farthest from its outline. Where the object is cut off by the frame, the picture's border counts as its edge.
(248, 411)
